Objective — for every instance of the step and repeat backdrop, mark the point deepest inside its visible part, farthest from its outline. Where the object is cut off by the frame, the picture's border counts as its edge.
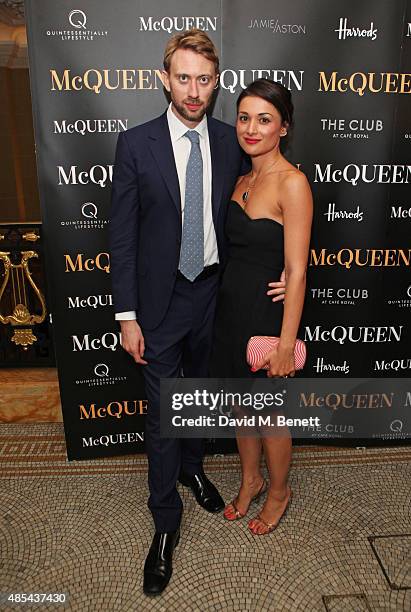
(95, 71)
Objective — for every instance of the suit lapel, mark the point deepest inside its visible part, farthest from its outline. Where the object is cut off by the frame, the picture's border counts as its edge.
(218, 160)
(162, 150)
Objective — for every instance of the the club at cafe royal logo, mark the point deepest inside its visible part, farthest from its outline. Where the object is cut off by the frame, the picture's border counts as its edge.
(90, 220)
(100, 377)
(348, 296)
(76, 28)
(351, 129)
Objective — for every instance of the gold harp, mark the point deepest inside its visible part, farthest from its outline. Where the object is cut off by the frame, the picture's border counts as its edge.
(18, 280)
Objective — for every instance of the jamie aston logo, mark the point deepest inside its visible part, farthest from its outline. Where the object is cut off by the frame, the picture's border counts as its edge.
(276, 27)
(345, 31)
(77, 19)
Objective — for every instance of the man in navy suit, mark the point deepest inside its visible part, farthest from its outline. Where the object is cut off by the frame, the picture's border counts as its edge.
(166, 304)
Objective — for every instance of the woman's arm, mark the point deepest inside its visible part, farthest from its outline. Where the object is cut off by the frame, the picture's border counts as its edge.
(297, 209)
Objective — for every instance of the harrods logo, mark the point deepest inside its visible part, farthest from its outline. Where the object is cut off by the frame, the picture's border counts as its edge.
(322, 366)
(117, 410)
(344, 31)
(90, 126)
(335, 214)
(275, 26)
(177, 24)
(77, 19)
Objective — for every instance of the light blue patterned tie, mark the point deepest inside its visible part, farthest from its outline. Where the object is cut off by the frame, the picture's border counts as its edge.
(192, 241)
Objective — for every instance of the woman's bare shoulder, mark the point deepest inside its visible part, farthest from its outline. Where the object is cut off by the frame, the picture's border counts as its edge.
(293, 179)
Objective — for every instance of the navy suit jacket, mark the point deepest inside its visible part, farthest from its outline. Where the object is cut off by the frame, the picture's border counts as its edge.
(145, 219)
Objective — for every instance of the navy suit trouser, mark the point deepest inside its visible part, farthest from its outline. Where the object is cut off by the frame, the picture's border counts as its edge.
(181, 343)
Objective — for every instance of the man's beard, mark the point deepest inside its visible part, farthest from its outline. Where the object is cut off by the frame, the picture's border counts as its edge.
(184, 112)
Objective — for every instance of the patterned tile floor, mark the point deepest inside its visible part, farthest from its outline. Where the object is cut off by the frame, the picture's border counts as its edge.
(83, 528)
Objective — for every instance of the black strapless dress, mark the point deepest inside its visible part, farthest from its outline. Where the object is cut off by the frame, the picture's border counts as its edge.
(256, 257)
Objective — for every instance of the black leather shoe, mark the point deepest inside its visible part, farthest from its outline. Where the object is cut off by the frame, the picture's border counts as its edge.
(159, 563)
(204, 491)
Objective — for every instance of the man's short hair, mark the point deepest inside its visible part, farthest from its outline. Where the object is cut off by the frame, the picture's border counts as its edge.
(195, 40)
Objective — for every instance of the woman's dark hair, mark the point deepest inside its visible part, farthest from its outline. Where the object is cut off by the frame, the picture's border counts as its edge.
(274, 93)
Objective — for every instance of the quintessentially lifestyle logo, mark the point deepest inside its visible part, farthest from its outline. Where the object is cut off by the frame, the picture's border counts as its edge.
(109, 340)
(276, 26)
(400, 212)
(77, 19)
(114, 409)
(90, 126)
(393, 365)
(97, 80)
(80, 263)
(401, 302)
(366, 82)
(363, 334)
(348, 296)
(399, 174)
(101, 377)
(345, 30)
(335, 214)
(351, 129)
(373, 258)
(322, 366)
(91, 301)
(97, 175)
(177, 24)
(90, 219)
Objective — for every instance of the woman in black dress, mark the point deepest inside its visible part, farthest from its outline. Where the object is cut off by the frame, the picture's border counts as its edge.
(268, 228)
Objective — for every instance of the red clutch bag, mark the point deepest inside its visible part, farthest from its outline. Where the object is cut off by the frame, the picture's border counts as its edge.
(259, 346)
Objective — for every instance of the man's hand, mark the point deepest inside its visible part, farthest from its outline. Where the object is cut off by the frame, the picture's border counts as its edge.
(132, 340)
(278, 288)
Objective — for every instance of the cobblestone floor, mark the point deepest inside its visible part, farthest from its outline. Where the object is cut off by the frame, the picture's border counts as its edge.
(83, 528)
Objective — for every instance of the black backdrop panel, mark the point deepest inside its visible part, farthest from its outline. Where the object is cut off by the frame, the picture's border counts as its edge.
(95, 71)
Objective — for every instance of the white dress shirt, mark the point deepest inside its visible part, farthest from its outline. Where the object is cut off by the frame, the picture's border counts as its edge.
(181, 148)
